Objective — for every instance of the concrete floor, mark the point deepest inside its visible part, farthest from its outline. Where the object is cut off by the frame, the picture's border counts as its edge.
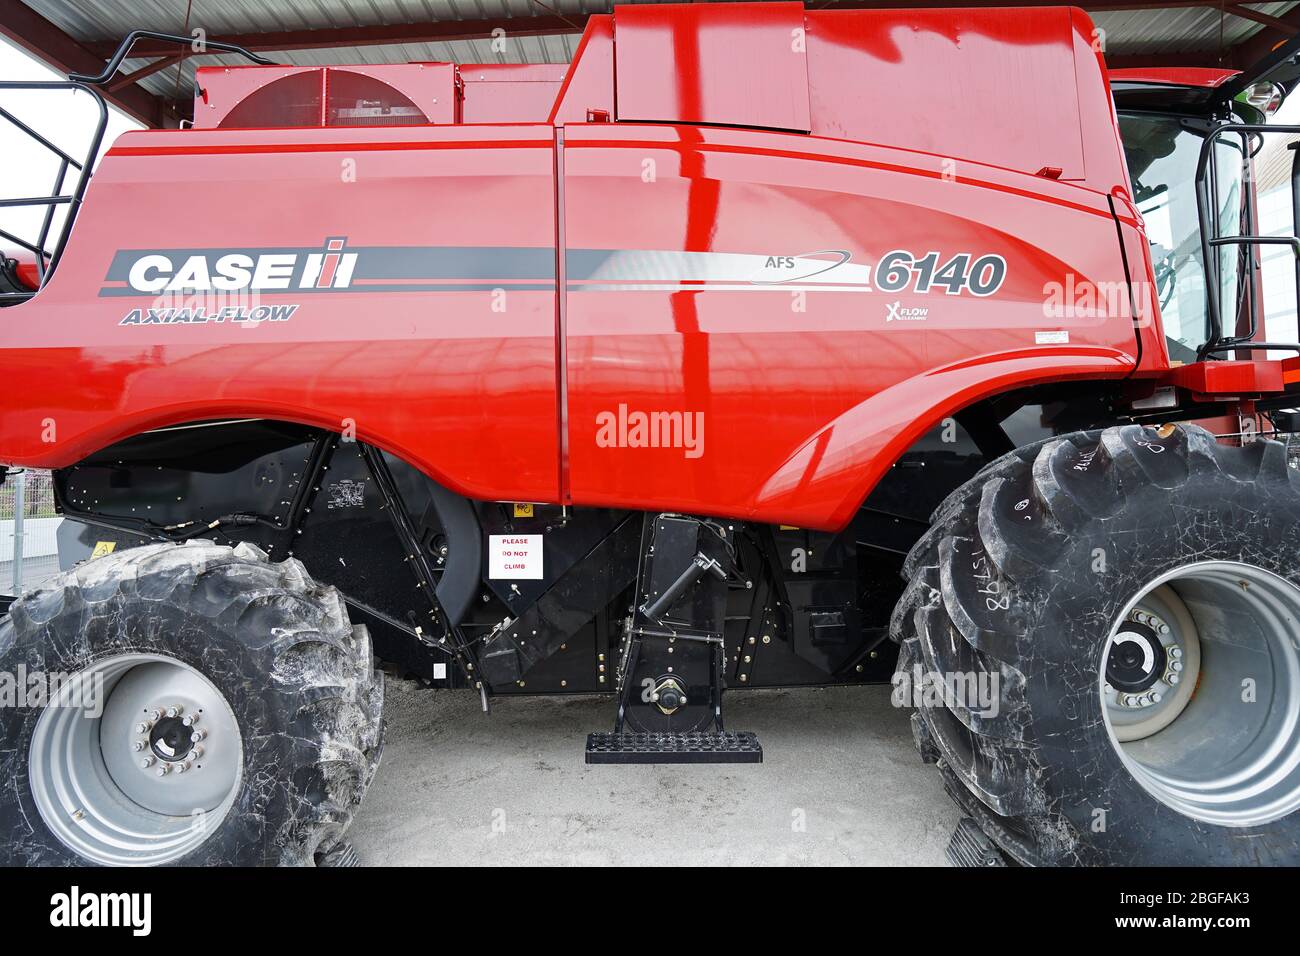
(840, 784)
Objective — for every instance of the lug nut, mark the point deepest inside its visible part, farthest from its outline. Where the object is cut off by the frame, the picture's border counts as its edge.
(147, 762)
(182, 766)
(189, 720)
(1163, 629)
(1175, 652)
(137, 746)
(197, 753)
(1172, 679)
(1175, 666)
(142, 728)
(174, 711)
(1155, 698)
(164, 770)
(198, 735)
(155, 714)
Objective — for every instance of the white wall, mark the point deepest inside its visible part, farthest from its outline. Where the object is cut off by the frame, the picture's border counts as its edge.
(39, 538)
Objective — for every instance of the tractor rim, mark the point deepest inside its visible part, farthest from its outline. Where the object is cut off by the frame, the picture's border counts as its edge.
(137, 761)
(1220, 742)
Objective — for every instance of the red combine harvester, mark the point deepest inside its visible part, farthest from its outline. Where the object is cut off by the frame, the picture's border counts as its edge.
(718, 364)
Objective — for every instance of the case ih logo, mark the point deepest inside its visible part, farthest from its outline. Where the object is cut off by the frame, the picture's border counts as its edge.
(229, 270)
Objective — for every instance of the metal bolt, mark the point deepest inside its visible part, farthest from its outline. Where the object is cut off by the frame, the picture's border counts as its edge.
(744, 678)
(147, 762)
(155, 714)
(1155, 697)
(753, 640)
(197, 753)
(182, 767)
(767, 639)
(137, 746)
(748, 658)
(198, 735)
(164, 770)
(174, 711)
(189, 720)
(1175, 652)
(1172, 679)
(1163, 629)
(142, 728)
(683, 701)
(1175, 666)
(858, 668)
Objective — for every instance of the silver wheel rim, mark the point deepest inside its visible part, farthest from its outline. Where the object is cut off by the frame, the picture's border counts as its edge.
(136, 761)
(1222, 743)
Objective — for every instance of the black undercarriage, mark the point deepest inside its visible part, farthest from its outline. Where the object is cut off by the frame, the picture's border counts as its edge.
(661, 611)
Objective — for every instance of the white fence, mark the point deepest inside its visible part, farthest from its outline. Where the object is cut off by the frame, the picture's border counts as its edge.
(29, 547)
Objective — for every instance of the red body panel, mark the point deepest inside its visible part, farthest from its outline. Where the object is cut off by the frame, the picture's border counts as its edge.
(510, 92)
(734, 274)
(801, 381)
(461, 388)
(739, 65)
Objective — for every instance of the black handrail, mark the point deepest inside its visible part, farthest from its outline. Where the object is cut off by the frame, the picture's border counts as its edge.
(124, 50)
(1207, 213)
(48, 259)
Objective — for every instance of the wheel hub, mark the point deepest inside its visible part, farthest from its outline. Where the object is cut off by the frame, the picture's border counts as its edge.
(1151, 655)
(1137, 658)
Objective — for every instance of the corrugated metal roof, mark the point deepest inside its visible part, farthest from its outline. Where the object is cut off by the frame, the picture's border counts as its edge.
(1126, 32)
(112, 19)
(1187, 29)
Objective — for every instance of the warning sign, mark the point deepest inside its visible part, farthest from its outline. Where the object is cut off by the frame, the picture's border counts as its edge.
(517, 556)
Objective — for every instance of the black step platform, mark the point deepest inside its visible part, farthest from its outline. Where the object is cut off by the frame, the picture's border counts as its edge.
(969, 846)
(729, 747)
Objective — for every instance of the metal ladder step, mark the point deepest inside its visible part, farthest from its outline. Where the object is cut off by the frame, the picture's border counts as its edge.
(727, 747)
(970, 847)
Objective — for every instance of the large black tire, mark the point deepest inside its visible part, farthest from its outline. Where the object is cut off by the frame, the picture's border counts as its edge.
(297, 676)
(1024, 573)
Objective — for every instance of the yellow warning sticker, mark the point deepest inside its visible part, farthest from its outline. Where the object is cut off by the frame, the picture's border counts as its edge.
(523, 510)
(102, 548)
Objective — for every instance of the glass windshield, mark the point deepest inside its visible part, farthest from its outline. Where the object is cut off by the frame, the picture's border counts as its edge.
(1162, 154)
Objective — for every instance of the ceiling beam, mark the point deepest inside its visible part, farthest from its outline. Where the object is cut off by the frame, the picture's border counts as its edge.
(388, 33)
(1256, 47)
(1245, 13)
(123, 80)
(31, 32)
